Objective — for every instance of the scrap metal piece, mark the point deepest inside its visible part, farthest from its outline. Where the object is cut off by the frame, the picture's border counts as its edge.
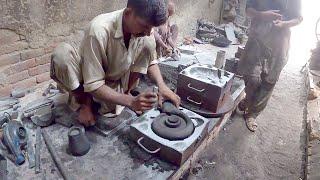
(35, 105)
(37, 151)
(4, 118)
(55, 158)
(15, 139)
(30, 150)
(99, 131)
(19, 93)
(8, 103)
(3, 168)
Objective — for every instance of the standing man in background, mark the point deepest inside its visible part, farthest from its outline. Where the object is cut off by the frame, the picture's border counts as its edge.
(266, 52)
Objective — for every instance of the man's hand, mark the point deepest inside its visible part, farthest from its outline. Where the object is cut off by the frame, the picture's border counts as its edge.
(270, 15)
(168, 51)
(280, 24)
(86, 116)
(143, 102)
(166, 94)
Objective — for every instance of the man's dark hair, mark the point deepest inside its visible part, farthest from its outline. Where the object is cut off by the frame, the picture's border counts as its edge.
(154, 12)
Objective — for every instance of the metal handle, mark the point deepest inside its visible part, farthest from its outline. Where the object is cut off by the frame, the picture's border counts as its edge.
(193, 101)
(199, 90)
(144, 148)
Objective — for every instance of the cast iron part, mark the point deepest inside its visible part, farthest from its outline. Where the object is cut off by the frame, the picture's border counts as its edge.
(79, 144)
(4, 118)
(205, 89)
(3, 168)
(172, 124)
(37, 151)
(30, 150)
(15, 139)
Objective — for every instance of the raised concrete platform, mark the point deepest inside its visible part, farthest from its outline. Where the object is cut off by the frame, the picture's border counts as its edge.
(313, 128)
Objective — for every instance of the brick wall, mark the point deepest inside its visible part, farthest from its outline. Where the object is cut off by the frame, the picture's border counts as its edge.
(21, 66)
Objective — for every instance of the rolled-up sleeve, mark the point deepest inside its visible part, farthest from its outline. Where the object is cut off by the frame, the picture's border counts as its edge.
(147, 56)
(92, 66)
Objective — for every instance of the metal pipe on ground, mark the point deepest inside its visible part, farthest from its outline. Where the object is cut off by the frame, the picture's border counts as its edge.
(55, 157)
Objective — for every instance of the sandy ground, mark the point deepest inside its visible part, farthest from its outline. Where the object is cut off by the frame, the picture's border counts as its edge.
(275, 151)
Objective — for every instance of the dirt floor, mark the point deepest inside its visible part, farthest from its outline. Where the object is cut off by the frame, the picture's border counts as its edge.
(275, 151)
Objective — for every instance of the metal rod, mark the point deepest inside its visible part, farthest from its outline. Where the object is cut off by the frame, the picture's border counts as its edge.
(55, 157)
(37, 150)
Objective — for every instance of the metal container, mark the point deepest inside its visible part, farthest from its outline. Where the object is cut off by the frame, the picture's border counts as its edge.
(204, 87)
(174, 151)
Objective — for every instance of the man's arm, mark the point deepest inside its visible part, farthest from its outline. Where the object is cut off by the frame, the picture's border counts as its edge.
(269, 15)
(94, 80)
(288, 24)
(155, 75)
(142, 102)
(159, 40)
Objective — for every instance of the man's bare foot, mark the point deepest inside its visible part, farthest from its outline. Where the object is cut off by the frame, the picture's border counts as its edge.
(86, 116)
(251, 123)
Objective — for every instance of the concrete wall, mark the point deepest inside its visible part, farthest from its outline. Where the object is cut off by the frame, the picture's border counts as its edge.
(30, 29)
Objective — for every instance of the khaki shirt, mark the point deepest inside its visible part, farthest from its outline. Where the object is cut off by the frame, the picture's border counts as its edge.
(105, 58)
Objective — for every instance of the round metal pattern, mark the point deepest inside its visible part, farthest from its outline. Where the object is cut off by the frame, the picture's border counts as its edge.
(173, 121)
(172, 127)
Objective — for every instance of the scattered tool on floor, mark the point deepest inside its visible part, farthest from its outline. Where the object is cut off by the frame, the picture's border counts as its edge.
(15, 140)
(37, 151)
(30, 150)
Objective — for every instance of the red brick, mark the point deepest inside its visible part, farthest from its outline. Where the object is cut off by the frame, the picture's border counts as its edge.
(19, 67)
(5, 91)
(50, 48)
(9, 59)
(17, 46)
(18, 77)
(39, 69)
(43, 59)
(31, 53)
(43, 77)
(8, 36)
(27, 83)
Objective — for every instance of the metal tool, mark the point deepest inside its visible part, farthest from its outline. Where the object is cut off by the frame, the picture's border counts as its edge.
(15, 140)
(4, 118)
(30, 150)
(55, 157)
(37, 151)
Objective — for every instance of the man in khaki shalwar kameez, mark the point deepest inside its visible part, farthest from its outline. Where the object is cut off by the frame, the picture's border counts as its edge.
(266, 52)
(117, 48)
